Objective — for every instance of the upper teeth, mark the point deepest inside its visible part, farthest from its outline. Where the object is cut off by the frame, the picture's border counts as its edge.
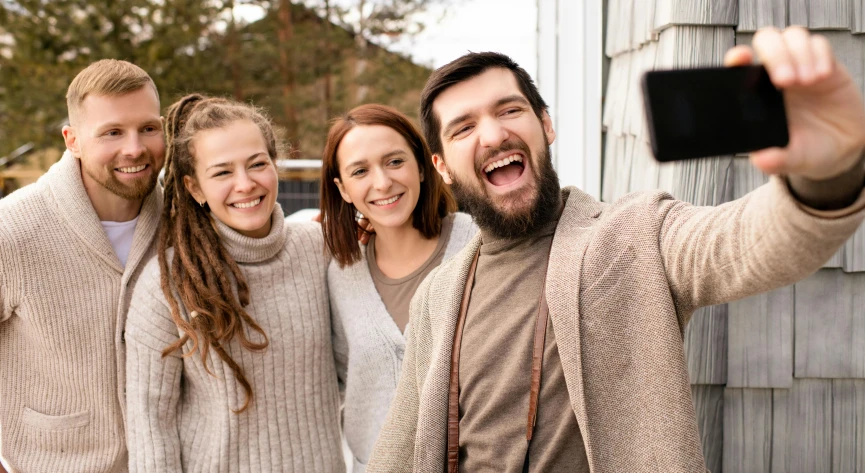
(133, 169)
(503, 162)
(246, 205)
(386, 201)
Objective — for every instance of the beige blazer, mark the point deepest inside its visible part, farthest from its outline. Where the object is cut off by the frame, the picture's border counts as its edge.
(623, 281)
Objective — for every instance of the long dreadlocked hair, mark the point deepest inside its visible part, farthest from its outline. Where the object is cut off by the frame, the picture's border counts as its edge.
(201, 269)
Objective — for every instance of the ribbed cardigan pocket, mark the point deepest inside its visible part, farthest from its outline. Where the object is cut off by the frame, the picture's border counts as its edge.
(49, 422)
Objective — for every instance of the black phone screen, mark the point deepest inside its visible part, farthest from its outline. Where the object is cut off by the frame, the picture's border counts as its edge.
(695, 113)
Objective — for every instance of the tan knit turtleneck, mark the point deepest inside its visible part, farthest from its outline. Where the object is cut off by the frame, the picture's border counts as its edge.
(180, 416)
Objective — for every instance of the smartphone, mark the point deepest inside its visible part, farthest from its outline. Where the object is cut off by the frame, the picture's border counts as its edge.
(697, 113)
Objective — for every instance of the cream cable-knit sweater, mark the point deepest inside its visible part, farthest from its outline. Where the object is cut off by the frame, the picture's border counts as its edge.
(369, 346)
(180, 416)
(63, 299)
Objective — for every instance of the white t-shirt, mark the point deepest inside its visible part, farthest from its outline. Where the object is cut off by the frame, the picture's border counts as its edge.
(120, 235)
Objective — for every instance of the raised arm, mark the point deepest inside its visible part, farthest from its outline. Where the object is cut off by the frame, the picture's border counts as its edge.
(152, 382)
(788, 228)
(757, 243)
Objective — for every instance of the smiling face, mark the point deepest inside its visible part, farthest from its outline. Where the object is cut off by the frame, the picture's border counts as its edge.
(379, 175)
(235, 176)
(496, 153)
(119, 141)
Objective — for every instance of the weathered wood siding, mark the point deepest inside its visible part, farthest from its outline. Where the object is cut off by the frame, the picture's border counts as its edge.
(778, 380)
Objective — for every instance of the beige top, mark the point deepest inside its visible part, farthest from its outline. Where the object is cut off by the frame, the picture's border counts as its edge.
(63, 300)
(496, 364)
(397, 293)
(623, 281)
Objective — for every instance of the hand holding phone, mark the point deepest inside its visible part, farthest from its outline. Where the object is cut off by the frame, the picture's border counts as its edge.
(825, 112)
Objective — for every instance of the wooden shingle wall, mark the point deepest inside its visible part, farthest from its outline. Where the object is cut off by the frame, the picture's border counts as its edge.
(778, 380)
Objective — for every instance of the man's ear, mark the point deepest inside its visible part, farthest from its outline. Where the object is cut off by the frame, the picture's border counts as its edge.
(342, 191)
(547, 123)
(193, 188)
(71, 140)
(439, 163)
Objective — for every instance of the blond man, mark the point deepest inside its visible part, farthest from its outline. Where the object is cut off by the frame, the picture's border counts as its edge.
(71, 246)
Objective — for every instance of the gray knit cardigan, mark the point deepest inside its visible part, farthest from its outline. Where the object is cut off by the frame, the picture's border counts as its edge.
(368, 345)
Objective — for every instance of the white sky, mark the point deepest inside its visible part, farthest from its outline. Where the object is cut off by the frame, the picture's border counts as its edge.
(505, 26)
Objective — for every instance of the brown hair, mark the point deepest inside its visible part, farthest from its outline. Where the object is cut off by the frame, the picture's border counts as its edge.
(463, 69)
(338, 216)
(202, 269)
(106, 77)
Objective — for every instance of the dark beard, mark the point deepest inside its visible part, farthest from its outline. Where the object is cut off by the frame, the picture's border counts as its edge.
(489, 219)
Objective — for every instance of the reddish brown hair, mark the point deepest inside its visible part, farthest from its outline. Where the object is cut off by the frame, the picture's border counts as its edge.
(338, 216)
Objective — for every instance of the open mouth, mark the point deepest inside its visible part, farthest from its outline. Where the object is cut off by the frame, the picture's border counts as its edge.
(131, 169)
(247, 205)
(505, 171)
(388, 201)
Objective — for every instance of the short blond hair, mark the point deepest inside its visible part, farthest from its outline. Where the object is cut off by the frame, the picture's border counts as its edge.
(110, 77)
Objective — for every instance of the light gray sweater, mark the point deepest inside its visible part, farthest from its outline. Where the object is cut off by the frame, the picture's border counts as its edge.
(369, 346)
(63, 299)
(180, 417)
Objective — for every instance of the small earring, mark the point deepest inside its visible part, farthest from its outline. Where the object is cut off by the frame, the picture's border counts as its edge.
(202, 203)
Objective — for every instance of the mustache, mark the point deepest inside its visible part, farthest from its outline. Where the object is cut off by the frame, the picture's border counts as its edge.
(145, 158)
(515, 145)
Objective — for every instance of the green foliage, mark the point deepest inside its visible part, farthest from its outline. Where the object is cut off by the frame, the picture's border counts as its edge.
(48, 42)
(199, 46)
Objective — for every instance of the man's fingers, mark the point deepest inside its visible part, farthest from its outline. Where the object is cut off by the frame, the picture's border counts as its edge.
(364, 230)
(366, 225)
(824, 57)
(793, 56)
(772, 51)
(771, 160)
(739, 56)
(797, 40)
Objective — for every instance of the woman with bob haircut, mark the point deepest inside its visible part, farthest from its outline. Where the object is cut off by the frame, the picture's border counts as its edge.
(376, 163)
(229, 360)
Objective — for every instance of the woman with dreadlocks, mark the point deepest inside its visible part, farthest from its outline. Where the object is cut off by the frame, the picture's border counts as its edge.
(229, 358)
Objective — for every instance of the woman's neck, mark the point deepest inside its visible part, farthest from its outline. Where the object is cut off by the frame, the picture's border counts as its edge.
(399, 251)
